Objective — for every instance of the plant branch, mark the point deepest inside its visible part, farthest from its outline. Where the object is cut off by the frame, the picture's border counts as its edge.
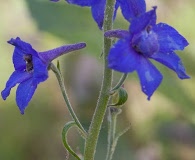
(63, 90)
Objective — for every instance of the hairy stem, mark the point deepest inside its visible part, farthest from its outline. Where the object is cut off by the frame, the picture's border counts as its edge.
(63, 90)
(120, 83)
(112, 119)
(93, 134)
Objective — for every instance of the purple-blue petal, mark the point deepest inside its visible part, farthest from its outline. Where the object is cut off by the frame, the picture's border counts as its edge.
(147, 19)
(132, 8)
(24, 94)
(81, 2)
(40, 72)
(172, 61)
(118, 33)
(16, 77)
(54, 0)
(150, 77)
(48, 56)
(97, 10)
(122, 57)
(25, 48)
(18, 61)
(169, 39)
(145, 43)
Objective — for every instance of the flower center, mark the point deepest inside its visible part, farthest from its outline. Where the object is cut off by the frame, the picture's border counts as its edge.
(145, 42)
(29, 63)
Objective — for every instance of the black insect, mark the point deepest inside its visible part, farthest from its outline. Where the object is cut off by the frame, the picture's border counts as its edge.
(29, 63)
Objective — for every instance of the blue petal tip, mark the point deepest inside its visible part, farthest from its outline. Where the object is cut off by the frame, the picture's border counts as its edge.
(21, 112)
(148, 98)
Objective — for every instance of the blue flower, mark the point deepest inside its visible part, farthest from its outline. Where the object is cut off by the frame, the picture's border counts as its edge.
(31, 68)
(97, 9)
(131, 8)
(147, 40)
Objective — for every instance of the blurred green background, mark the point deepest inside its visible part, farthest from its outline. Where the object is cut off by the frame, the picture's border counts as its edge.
(161, 129)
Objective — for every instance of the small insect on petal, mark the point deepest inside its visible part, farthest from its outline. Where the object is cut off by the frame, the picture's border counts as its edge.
(29, 62)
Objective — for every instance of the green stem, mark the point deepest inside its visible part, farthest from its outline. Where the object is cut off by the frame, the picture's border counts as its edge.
(65, 130)
(113, 147)
(111, 132)
(93, 134)
(112, 119)
(120, 83)
(63, 90)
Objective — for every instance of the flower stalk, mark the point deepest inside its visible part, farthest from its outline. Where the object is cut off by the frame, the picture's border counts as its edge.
(63, 90)
(120, 83)
(93, 134)
(112, 119)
